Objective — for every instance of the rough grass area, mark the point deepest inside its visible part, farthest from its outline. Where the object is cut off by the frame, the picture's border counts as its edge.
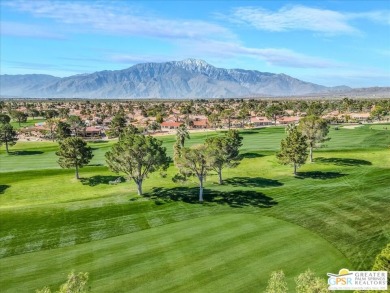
(334, 214)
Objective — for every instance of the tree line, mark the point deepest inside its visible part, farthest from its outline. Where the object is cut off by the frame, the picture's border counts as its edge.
(138, 155)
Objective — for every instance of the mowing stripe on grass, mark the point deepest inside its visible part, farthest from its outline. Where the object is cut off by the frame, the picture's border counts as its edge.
(196, 254)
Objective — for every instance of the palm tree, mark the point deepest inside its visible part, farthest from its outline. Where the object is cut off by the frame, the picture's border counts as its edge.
(182, 134)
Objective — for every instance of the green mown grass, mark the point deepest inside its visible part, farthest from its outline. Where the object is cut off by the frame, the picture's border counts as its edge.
(41, 155)
(47, 217)
(29, 122)
(200, 255)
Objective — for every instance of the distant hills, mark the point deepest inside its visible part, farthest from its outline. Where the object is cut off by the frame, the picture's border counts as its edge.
(190, 78)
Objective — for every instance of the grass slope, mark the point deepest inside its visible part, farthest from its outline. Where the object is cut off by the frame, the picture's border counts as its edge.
(199, 255)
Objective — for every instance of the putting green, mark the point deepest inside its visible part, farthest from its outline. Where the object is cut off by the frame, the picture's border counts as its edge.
(203, 254)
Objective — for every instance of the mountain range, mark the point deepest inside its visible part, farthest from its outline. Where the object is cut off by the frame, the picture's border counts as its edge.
(190, 78)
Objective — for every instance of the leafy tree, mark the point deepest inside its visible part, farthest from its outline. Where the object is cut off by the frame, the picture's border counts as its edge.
(63, 130)
(63, 112)
(277, 283)
(75, 284)
(273, 112)
(33, 113)
(243, 115)
(154, 126)
(51, 114)
(4, 119)
(76, 124)
(8, 135)
(377, 113)
(293, 149)
(19, 116)
(307, 282)
(159, 118)
(224, 152)
(235, 141)
(315, 129)
(196, 162)
(182, 134)
(51, 123)
(74, 152)
(117, 125)
(130, 130)
(316, 108)
(347, 103)
(213, 119)
(137, 156)
(228, 114)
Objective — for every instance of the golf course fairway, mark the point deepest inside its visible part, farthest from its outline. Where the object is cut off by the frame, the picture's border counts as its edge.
(201, 254)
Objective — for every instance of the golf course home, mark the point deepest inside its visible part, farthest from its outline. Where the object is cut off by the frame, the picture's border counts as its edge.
(226, 209)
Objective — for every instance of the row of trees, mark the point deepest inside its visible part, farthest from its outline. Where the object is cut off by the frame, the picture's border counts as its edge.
(138, 155)
(301, 140)
(216, 154)
(50, 109)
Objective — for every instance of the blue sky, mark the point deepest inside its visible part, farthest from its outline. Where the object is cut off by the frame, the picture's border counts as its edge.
(325, 42)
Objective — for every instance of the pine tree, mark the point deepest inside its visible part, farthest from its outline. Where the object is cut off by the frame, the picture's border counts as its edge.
(315, 129)
(74, 153)
(293, 149)
(8, 135)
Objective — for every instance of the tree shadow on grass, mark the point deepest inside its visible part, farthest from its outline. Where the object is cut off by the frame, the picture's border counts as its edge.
(251, 155)
(319, 175)
(236, 198)
(98, 179)
(343, 161)
(3, 188)
(246, 132)
(25, 153)
(252, 182)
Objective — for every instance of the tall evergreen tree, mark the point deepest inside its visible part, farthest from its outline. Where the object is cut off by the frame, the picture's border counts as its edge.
(315, 129)
(8, 135)
(76, 124)
(273, 112)
(63, 130)
(117, 125)
(4, 119)
(293, 149)
(74, 153)
(224, 152)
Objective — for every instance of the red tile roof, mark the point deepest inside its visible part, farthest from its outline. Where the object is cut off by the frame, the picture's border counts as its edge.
(171, 124)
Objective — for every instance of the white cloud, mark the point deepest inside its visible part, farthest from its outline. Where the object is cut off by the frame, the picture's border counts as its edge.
(119, 19)
(304, 18)
(27, 30)
(382, 17)
(134, 58)
(273, 56)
